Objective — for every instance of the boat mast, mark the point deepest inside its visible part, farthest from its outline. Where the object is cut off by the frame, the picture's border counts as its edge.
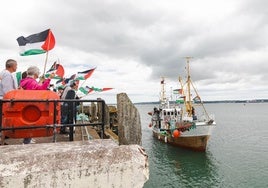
(188, 100)
(163, 98)
(189, 104)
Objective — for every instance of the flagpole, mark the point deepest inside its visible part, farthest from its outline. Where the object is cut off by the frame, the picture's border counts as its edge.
(45, 63)
(83, 83)
(47, 52)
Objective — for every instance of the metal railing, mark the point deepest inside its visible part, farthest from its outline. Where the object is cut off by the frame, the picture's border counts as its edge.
(72, 109)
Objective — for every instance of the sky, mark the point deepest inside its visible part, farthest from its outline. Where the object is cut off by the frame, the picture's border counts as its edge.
(133, 43)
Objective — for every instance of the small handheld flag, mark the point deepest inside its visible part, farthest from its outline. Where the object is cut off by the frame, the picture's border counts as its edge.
(85, 74)
(86, 90)
(57, 69)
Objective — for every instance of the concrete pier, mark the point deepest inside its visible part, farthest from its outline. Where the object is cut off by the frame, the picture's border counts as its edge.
(96, 163)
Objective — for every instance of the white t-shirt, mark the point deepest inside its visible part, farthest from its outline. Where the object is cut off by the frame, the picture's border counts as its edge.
(7, 82)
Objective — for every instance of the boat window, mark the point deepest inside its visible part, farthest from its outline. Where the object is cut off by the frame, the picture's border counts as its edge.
(164, 112)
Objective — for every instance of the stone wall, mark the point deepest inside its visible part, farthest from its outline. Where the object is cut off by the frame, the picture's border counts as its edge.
(97, 163)
(129, 123)
(106, 114)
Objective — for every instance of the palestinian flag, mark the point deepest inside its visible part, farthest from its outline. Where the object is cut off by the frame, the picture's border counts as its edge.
(85, 90)
(100, 89)
(106, 89)
(177, 91)
(180, 101)
(66, 80)
(38, 43)
(85, 74)
(18, 77)
(60, 82)
(57, 69)
(96, 89)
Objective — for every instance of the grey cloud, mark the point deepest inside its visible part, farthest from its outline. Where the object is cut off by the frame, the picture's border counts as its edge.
(159, 38)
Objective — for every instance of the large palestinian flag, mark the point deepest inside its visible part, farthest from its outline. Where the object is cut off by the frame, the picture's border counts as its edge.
(36, 43)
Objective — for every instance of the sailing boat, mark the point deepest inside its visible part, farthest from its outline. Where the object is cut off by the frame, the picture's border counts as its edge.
(185, 122)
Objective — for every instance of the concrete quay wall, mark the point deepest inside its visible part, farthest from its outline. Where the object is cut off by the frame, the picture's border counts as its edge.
(96, 163)
(129, 123)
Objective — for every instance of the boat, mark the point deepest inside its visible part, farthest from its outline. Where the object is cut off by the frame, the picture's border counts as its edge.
(184, 120)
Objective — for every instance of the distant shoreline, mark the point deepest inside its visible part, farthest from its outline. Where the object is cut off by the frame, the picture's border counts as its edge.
(220, 101)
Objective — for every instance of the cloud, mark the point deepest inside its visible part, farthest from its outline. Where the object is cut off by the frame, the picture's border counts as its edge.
(134, 43)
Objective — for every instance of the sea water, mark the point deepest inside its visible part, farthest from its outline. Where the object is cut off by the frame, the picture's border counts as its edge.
(236, 155)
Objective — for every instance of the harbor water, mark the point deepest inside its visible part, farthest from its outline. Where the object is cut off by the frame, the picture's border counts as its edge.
(236, 156)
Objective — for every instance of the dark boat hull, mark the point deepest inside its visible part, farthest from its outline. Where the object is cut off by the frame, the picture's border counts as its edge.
(196, 143)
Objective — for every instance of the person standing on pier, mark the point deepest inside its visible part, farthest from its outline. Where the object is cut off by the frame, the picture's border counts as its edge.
(68, 109)
(7, 81)
(30, 83)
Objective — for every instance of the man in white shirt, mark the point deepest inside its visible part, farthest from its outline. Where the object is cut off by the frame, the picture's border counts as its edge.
(7, 82)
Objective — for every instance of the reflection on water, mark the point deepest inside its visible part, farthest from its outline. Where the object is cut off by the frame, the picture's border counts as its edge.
(174, 167)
